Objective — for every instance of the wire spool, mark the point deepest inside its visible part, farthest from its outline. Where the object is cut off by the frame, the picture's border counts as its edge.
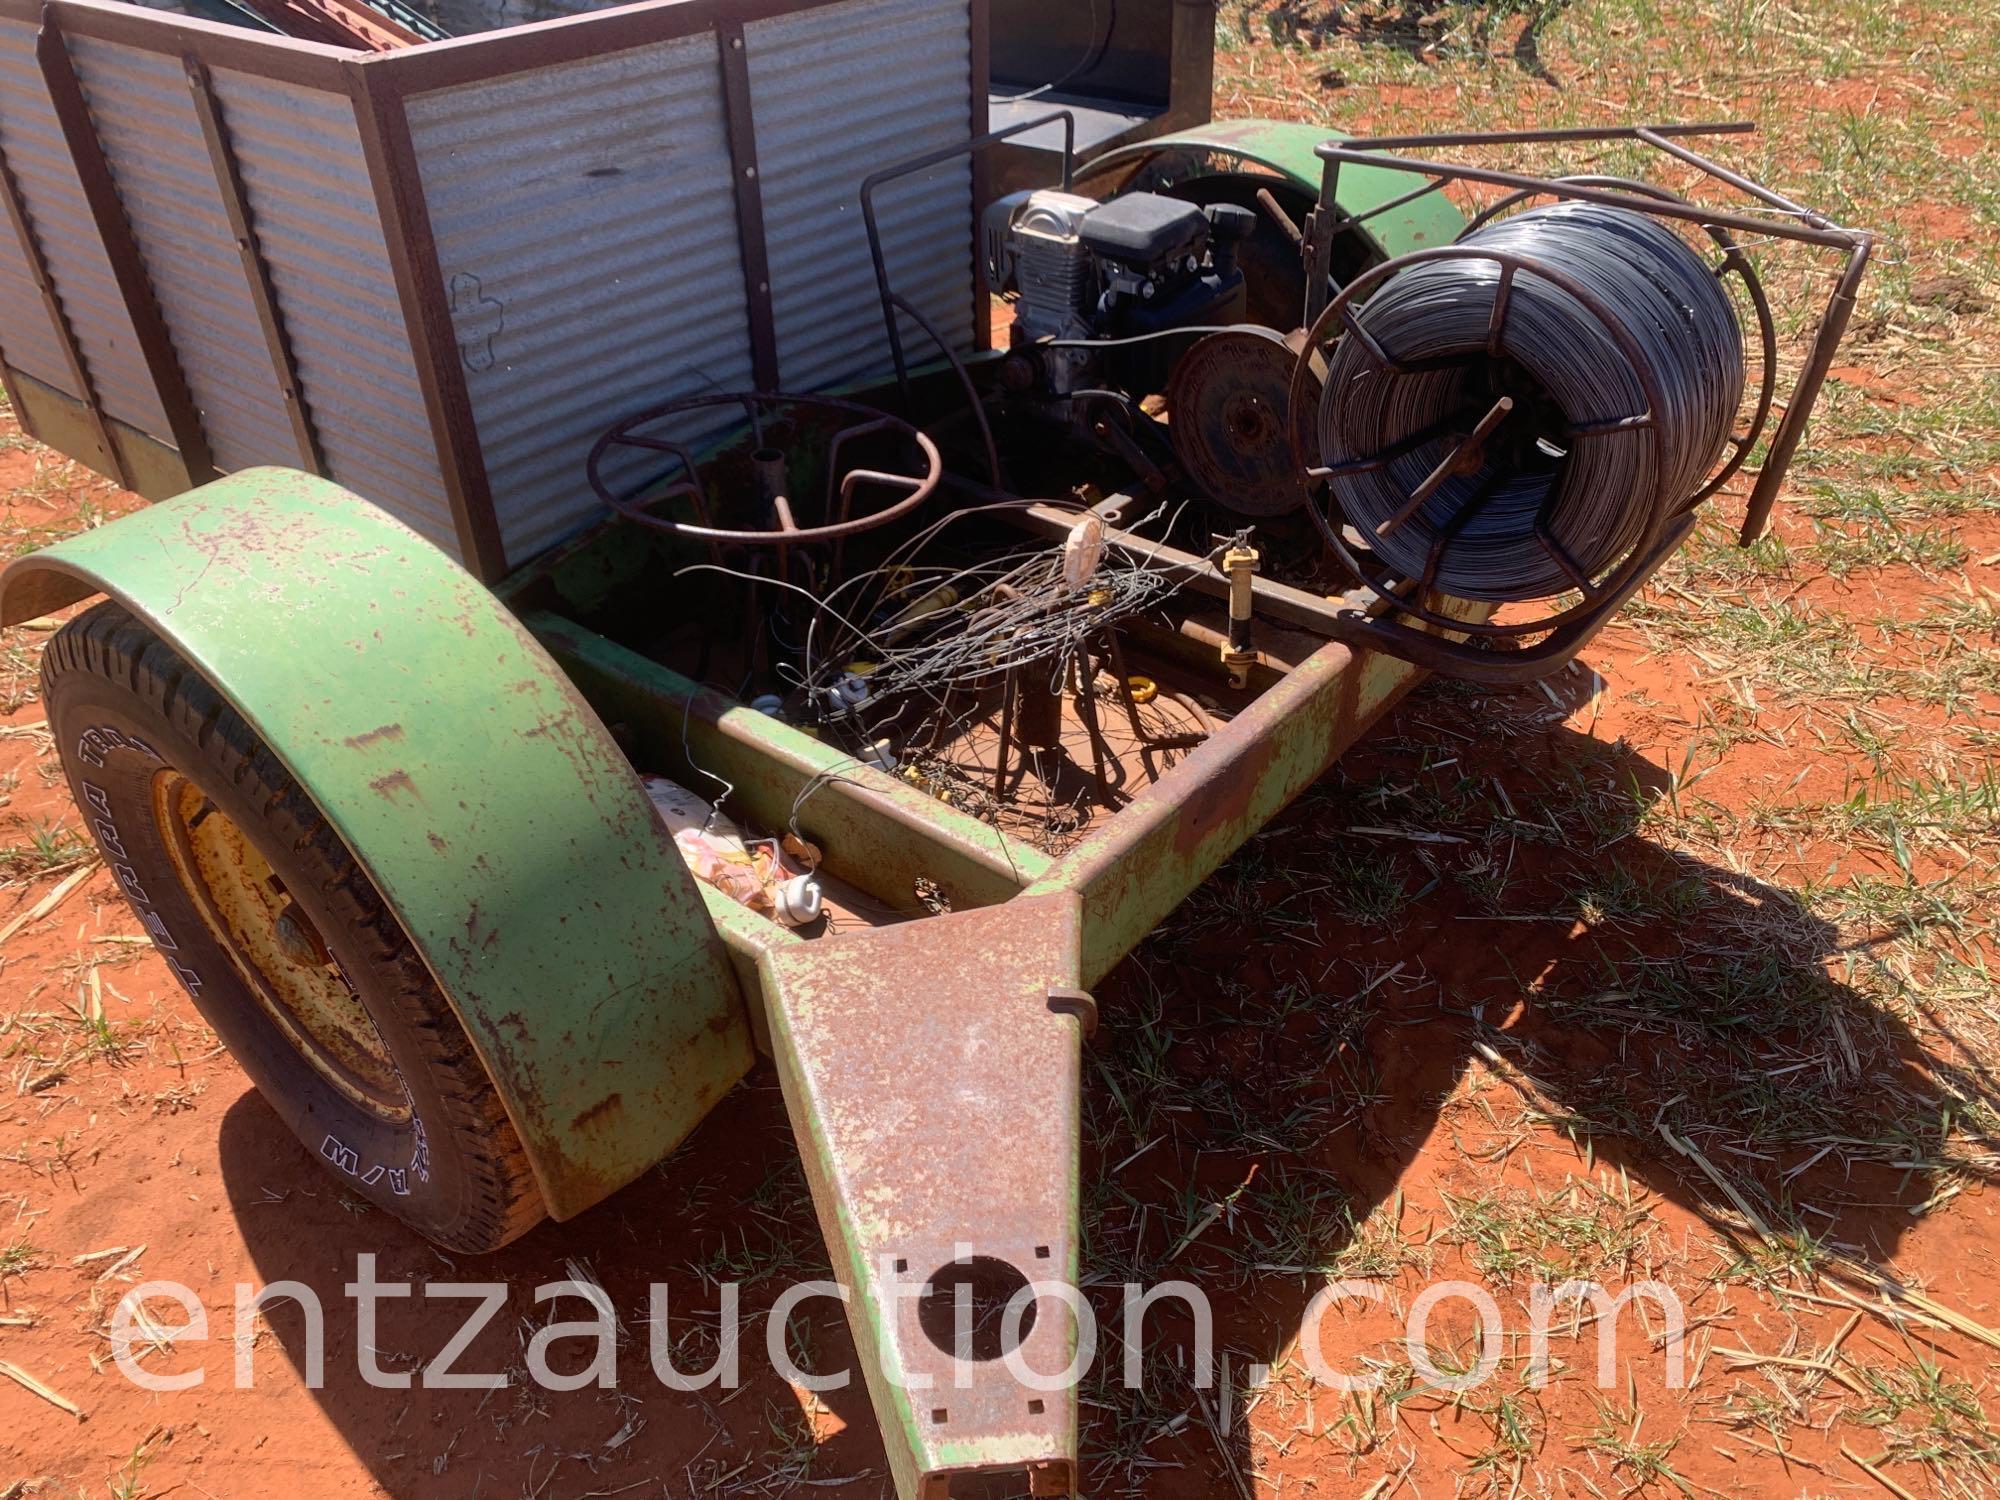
(1574, 371)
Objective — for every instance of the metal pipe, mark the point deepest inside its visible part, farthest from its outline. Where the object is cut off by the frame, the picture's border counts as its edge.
(1792, 426)
(1833, 238)
(1548, 136)
(931, 159)
(1297, 607)
(1737, 180)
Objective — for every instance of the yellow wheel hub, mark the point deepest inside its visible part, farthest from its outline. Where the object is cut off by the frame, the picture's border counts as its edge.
(276, 949)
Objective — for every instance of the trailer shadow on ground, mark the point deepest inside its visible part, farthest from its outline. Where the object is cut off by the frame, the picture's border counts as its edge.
(1629, 1054)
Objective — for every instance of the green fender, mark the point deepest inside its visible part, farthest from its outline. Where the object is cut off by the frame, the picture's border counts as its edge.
(1286, 147)
(474, 784)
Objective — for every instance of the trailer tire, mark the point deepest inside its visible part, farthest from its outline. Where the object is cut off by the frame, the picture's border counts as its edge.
(288, 950)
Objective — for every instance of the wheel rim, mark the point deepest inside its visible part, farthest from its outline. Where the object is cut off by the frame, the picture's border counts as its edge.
(275, 949)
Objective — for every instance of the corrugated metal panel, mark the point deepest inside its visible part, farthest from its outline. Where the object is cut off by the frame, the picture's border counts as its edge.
(586, 225)
(146, 123)
(308, 189)
(28, 337)
(77, 264)
(837, 93)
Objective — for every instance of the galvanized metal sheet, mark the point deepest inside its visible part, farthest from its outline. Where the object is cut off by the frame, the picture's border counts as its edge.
(309, 190)
(28, 337)
(839, 92)
(586, 230)
(145, 119)
(77, 264)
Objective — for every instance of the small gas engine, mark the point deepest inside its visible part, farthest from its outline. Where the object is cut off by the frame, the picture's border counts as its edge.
(1099, 283)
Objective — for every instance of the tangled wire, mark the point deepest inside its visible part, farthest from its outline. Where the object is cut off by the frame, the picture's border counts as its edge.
(934, 630)
(973, 627)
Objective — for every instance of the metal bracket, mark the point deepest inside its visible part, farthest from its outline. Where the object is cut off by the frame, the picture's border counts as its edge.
(743, 170)
(256, 272)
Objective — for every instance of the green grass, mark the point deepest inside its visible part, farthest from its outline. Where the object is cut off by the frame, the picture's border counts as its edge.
(16, 1260)
(1924, 1415)
(50, 845)
(1638, 1464)
(1791, 975)
(1576, 1230)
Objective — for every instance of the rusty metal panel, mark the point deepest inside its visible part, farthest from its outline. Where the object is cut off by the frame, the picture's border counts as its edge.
(965, 1036)
(838, 92)
(146, 123)
(586, 231)
(78, 266)
(308, 188)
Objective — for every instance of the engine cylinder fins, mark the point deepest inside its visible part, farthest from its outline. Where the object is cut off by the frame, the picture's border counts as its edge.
(1506, 419)
(1231, 416)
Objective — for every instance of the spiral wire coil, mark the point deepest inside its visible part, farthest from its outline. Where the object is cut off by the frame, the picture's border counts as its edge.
(1569, 481)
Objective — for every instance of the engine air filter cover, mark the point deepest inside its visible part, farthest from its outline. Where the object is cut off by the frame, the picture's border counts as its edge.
(1229, 411)
(1144, 230)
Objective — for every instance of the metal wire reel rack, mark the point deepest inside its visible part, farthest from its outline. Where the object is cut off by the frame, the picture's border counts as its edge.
(1436, 462)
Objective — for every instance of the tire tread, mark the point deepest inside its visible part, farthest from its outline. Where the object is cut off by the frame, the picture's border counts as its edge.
(109, 643)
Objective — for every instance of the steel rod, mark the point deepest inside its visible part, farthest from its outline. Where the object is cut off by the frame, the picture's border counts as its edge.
(1548, 136)
(1792, 426)
(1452, 463)
(741, 130)
(1743, 223)
(1735, 179)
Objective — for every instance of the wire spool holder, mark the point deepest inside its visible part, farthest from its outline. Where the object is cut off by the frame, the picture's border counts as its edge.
(774, 545)
(1405, 622)
(837, 521)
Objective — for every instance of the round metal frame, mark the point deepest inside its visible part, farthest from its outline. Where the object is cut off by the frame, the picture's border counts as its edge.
(840, 486)
(1734, 262)
(1340, 315)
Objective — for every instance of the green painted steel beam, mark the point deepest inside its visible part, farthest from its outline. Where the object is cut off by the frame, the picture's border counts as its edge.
(933, 1075)
(473, 783)
(879, 833)
(1142, 864)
